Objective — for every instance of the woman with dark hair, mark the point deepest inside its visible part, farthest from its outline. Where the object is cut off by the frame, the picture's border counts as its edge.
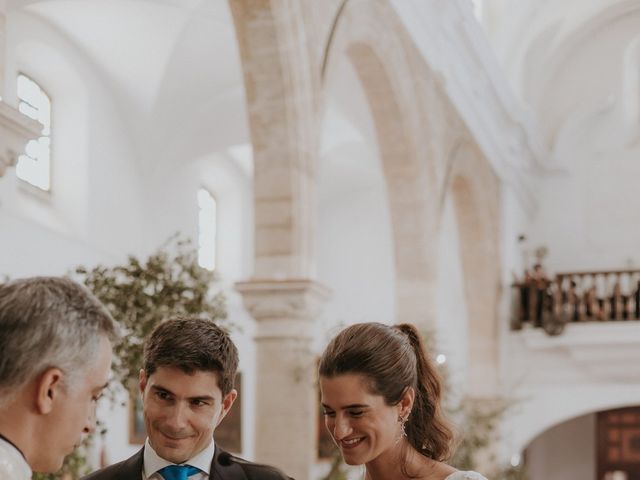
(381, 401)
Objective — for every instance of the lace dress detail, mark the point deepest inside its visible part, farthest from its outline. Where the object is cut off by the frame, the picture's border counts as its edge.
(465, 476)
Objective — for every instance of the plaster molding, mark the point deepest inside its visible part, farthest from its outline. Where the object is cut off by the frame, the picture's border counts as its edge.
(455, 47)
(283, 308)
(588, 368)
(15, 131)
(603, 351)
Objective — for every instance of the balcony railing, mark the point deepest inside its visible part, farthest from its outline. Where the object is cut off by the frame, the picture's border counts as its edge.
(599, 296)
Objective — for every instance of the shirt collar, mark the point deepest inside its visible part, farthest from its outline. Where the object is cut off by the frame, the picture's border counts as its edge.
(153, 462)
(16, 455)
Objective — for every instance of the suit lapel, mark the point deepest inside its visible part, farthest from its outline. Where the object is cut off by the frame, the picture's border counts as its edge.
(132, 467)
(223, 472)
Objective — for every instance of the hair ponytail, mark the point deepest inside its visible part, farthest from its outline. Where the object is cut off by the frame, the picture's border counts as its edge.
(427, 429)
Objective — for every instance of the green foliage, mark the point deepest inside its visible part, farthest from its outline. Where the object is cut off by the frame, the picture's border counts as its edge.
(337, 470)
(139, 294)
(479, 422)
(75, 465)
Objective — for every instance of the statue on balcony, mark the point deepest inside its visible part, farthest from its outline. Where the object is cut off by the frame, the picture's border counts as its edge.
(540, 284)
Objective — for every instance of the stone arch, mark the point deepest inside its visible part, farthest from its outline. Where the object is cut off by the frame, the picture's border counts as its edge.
(282, 96)
(475, 191)
(552, 406)
(385, 66)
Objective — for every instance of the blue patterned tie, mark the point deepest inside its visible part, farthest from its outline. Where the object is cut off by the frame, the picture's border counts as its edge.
(178, 472)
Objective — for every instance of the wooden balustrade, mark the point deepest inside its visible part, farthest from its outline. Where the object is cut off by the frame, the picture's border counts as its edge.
(612, 295)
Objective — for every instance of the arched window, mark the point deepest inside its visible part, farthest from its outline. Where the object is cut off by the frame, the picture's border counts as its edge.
(34, 166)
(207, 229)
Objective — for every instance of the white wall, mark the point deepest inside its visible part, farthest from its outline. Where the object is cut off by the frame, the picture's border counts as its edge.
(452, 322)
(354, 241)
(588, 207)
(110, 198)
(95, 193)
(564, 452)
(550, 380)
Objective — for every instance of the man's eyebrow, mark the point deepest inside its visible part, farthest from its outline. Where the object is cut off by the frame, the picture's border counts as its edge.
(203, 398)
(160, 388)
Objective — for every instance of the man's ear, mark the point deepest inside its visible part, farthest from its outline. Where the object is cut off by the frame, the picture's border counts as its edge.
(48, 387)
(227, 402)
(142, 381)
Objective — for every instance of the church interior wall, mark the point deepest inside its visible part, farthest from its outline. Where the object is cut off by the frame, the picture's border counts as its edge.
(110, 199)
(565, 451)
(452, 337)
(404, 225)
(587, 197)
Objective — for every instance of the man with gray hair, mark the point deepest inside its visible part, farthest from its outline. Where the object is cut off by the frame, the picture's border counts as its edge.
(55, 358)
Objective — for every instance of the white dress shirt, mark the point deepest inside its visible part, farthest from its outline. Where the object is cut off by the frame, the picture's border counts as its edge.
(12, 463)
(153, 463)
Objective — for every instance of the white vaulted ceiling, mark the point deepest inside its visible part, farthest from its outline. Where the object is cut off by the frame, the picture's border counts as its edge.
(172, 66)
(564, 58)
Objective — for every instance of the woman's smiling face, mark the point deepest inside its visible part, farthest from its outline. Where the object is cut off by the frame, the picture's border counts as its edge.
(362, 425)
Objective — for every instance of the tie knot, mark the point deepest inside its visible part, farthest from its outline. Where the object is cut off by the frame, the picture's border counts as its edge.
(177, 472)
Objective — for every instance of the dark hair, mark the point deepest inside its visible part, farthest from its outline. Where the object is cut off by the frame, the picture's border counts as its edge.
(48, 322)
(192, 344)
(393, 358)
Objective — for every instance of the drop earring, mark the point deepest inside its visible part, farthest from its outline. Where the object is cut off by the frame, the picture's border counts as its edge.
(403, 431)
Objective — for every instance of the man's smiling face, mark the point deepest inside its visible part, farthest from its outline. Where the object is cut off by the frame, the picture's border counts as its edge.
(182, 410)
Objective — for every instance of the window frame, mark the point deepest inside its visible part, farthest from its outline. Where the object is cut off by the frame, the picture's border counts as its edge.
(24, 182)
(214, 254)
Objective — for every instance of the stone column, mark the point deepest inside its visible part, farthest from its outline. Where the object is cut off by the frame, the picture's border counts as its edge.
(286, 410)
(283, 95)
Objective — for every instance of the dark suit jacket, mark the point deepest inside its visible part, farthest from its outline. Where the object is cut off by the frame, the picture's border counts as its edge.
(233, 469)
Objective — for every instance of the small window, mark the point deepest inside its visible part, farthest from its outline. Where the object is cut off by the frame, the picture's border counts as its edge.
(207, 227)
(34, 166)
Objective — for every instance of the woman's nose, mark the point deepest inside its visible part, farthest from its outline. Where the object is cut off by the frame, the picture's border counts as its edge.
(341, 428)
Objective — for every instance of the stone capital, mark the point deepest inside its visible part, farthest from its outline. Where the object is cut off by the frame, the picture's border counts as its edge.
(283, 308)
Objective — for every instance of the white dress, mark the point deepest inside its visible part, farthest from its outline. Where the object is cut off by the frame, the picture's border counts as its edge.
(12, 465)
(465, 476)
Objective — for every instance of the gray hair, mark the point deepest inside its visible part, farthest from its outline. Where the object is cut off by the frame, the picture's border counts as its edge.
(48, 322)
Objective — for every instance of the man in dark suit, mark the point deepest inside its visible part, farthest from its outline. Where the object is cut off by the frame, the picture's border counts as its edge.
(187, 389)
